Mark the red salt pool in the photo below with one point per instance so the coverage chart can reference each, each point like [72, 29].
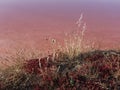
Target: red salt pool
[31, 21]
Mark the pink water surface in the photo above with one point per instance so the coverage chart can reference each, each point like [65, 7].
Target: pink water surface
[32, 21]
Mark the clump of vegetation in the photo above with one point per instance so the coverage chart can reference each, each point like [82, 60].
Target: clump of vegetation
[96, 70]
[74, 67]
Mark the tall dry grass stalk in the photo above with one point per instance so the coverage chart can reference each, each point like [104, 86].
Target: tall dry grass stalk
[74, 42]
